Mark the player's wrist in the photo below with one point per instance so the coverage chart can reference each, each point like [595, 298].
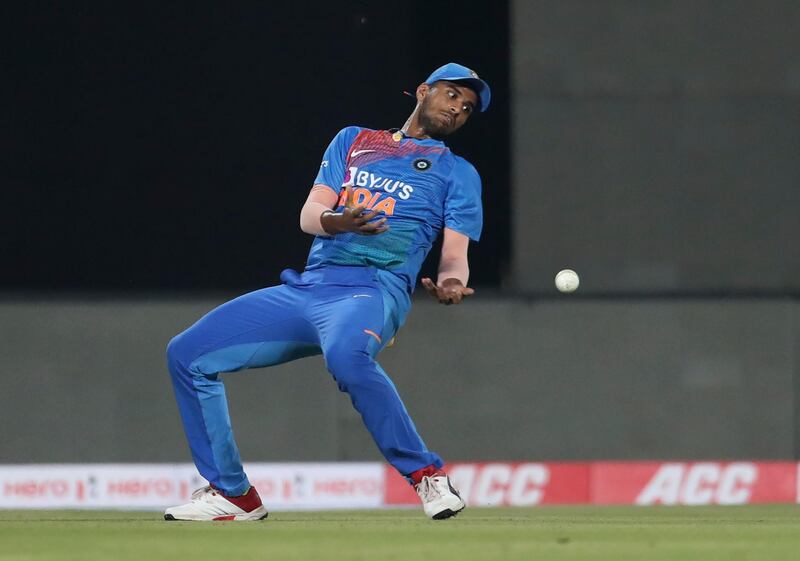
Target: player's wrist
[329, 223]
[450, 281]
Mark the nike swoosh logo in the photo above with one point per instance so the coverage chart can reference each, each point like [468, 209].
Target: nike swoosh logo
[359, 152]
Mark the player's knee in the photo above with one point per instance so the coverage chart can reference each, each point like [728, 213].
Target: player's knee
[348, 366]
[177, 353]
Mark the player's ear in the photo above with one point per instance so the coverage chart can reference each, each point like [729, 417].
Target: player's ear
[422, 91]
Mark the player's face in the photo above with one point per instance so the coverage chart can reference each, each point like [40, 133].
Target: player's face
[446, 107]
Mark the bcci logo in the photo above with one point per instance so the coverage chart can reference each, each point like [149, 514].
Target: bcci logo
[421, 164]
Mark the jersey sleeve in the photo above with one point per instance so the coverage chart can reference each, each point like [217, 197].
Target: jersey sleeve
[334, 161]
[463, 210]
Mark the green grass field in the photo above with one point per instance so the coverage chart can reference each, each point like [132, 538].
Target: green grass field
[771, 533]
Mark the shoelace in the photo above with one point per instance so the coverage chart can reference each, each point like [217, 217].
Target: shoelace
[428, 489]
[202, 493]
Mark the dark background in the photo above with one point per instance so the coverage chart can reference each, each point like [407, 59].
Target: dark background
[160, 148]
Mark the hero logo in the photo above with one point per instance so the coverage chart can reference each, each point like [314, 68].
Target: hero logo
[158, 487]
[38, 488]
[346, 487]
[372, 188]
[700, 484]
[501, 484]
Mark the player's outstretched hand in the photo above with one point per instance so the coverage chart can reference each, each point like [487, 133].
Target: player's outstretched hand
[449, 291]
[354, 219]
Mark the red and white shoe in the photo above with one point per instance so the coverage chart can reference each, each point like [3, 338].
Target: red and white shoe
[209, 504]
[440, 499]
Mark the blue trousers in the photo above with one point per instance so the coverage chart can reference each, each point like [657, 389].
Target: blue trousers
[346, 313]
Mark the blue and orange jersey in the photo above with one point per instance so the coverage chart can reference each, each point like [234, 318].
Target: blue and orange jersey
[419, 185]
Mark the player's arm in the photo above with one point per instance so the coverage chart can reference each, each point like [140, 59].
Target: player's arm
[321, 199]
[451, 284]
[319, 218]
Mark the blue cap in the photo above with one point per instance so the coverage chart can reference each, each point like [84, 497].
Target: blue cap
[458, 73]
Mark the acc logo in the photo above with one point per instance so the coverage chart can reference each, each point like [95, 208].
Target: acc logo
[502, 483]
[421, 164]
[702, 483]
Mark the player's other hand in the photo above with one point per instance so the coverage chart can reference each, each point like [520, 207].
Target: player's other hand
[448, 291]
[354, 219]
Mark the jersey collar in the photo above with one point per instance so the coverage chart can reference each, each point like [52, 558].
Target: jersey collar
[422, 141]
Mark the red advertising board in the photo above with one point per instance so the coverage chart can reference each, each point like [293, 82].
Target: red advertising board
[645, 483]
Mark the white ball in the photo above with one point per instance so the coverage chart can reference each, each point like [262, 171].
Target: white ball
[567, 280]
